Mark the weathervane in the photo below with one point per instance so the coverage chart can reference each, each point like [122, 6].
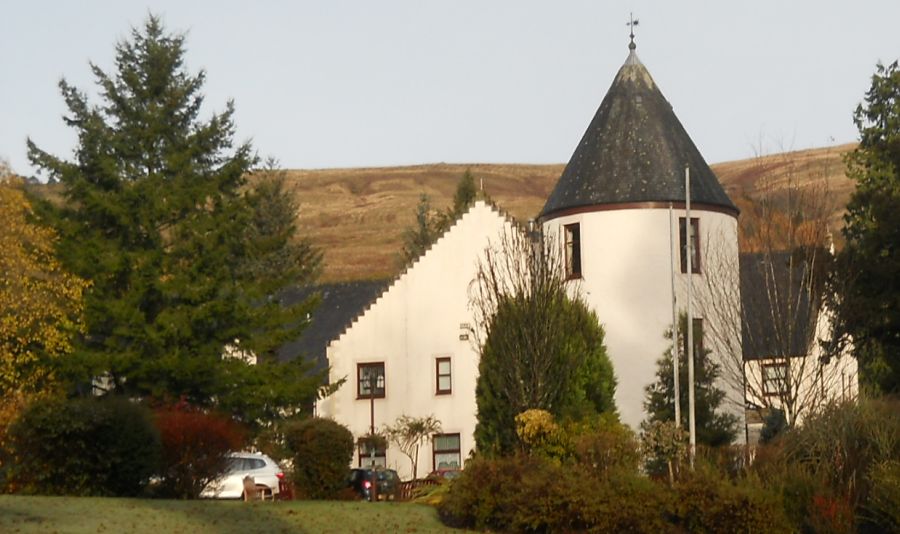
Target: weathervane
[632, 22]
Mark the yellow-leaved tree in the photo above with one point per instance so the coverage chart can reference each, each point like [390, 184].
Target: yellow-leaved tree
[40, 303]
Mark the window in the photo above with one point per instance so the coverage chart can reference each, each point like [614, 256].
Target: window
[573, 250]
[446, 451]
[370, 380]
[442, 372]
[366, 459]
[776, 379]
[695, 244]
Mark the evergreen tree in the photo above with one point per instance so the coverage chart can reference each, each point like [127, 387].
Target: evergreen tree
[184, 263]
[542, 349]
[418, 238]
[430, 225]
[867, 279]
[713, 428]
[465, 195]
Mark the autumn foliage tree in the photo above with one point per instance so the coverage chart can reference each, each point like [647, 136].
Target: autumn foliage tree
[41, 304]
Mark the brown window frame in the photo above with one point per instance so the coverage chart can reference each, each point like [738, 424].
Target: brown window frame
[365, 454]
[695, 244]
[377, 392]
[438, 375]
[572, 244]
[435, 451]
[785, 381]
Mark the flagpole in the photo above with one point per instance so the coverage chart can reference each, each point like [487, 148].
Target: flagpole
[688, 231]
[675, 370]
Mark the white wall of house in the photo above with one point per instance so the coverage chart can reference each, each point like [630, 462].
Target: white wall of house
[626, 265]
[421, 317]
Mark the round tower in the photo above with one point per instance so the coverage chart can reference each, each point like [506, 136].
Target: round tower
[618, 211]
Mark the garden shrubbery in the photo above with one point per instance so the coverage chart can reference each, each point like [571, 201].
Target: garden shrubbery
[322, 450]
[839, 472]
[87, 446]
[195, 447]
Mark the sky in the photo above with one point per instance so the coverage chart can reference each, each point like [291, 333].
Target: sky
[330, 84]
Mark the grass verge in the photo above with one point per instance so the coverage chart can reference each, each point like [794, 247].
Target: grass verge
[28, 514]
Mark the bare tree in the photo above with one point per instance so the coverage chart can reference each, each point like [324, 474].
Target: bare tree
[769, 326]
[408, 433]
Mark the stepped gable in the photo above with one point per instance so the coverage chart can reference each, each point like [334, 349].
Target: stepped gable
[634, 151]
[341, 303]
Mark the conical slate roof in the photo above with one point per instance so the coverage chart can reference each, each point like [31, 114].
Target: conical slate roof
[634, 151]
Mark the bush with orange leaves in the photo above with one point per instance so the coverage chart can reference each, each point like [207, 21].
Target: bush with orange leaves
[195, 447]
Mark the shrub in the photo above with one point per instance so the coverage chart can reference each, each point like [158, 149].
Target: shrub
[609, 447]
[195, 448]
[540, 435]
[534, 494]
[322, 450]
[708, 502]
[826, 469]
[87, 446]
[882, 511]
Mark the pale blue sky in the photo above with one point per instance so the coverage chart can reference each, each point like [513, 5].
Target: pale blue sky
[372, 83]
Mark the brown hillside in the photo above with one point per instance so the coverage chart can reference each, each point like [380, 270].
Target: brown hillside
[358, 215]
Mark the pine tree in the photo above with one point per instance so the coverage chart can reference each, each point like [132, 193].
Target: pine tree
[713, 428]
[157, 216]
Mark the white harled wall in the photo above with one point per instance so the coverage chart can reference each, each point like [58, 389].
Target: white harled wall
[626, 265]
[417, 320]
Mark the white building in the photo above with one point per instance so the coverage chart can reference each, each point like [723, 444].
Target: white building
[413, 343]
[613, 203]
[619, 211]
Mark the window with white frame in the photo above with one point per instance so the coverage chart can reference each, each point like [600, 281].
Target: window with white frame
[776, 378]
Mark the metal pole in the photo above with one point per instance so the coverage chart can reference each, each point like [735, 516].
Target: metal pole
[675, 370]
[374, 488]
[692, 423]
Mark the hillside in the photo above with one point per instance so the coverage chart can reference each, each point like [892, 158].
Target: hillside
[358, 215]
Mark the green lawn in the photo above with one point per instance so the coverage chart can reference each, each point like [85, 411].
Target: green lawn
[97, 515]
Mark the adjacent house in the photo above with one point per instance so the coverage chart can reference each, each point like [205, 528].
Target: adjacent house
[784, 324]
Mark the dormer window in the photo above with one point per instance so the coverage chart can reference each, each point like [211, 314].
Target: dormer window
[573, 250]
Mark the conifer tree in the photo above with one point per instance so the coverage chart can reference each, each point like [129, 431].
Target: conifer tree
[713, 428]
[157, 216]
[866, 292]
[541, 348]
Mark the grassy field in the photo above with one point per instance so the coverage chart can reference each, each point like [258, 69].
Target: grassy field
[21, 514]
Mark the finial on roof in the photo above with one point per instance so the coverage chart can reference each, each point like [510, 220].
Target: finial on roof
[632, 22]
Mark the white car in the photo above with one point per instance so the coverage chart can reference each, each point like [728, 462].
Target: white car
[265, 471]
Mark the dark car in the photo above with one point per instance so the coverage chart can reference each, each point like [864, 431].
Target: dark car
[387, 483]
